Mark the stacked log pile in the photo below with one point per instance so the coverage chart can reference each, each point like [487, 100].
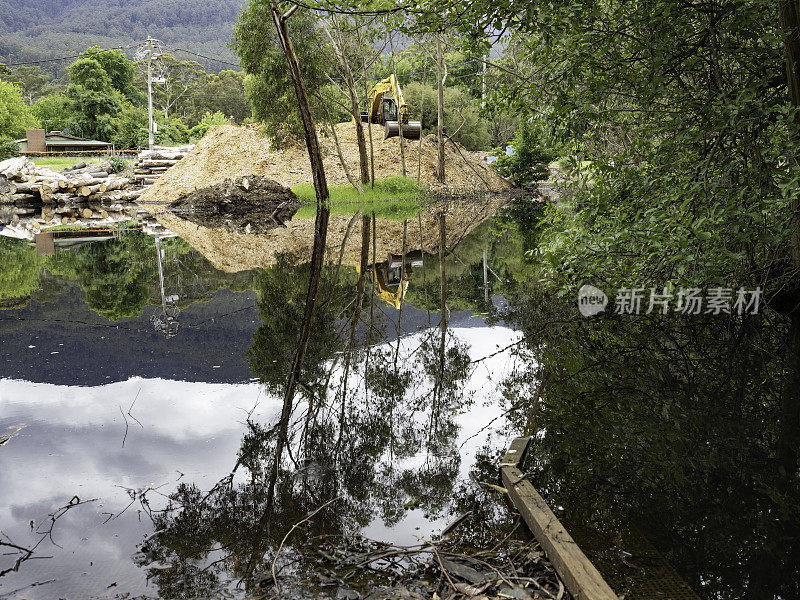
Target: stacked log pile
[88, 191]
[151, 164]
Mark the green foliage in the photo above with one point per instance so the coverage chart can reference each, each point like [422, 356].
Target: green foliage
[131, 128]
[285, 285]
[15, 116]
[225, 93]
[268, 84]
[118, 164]
[19, 276]
[171, 132]
[208, 121]
[461, 114]
[53, 112]
[43, 29]
[90, 74]
[32, 81]
[8, 148]
[119, 69]
[94, 112]
[94, 103]
[116, 275]
[529, 162]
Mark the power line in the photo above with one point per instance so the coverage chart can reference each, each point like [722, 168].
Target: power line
[81, 55]
[224, 62]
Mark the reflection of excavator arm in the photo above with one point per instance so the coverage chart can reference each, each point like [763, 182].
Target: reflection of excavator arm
[386, 106]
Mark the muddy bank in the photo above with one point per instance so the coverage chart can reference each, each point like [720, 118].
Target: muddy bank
[240, 205]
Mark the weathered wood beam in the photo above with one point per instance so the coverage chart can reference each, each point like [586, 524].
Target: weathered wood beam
[579, 575]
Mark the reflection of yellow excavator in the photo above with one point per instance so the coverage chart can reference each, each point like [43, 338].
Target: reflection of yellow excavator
[390, 110]
[386, 277]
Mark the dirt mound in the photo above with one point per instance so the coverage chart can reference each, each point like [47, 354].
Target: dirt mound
[228, 151]
[241, 205]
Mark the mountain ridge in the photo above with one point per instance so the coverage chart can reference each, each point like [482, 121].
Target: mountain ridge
[41, 30]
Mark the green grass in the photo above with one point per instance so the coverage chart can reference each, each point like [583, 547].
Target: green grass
[57, 163]
[394, 198]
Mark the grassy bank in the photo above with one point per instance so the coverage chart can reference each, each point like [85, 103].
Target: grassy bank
[394, 198]
[57, 163]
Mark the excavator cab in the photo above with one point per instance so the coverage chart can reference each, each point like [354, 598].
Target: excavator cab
[389, 112]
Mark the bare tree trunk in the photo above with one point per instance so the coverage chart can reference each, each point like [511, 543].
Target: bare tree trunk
[354, 109]
[399, 116]
[443, 290]
[342, 161]
[421, 117]
[440, 174]
[320, 235]
[350, 349]
[369, 123]
[402, 294]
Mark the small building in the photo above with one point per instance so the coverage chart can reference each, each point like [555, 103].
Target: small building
[55, 141]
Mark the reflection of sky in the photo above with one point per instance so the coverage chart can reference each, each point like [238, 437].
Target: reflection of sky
[70, 444]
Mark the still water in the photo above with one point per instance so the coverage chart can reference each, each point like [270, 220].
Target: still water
[138, 423]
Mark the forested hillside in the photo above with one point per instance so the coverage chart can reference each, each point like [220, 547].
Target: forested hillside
[33, 30]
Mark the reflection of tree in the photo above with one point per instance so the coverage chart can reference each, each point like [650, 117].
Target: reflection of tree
[677, 420]
[115, 274]
[282, 293]
[19, 276]
[357, 459]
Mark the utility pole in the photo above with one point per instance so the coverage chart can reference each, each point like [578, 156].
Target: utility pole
[148, 52]
[150, 139]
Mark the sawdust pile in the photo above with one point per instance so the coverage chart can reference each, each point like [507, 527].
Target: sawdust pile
[227, 152]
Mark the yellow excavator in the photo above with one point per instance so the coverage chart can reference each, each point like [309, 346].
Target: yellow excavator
[390, 280]
[386, 106]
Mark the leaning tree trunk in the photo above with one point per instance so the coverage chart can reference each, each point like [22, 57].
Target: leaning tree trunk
[320, 235]
[440, 110]
[354, 109]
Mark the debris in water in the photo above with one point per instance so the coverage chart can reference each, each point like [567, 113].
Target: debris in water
[251, 204]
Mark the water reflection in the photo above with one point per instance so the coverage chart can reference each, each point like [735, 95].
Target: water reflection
[387, 407]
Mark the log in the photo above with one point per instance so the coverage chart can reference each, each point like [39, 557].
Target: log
[157, 163]
[580, 576]
[116, 183]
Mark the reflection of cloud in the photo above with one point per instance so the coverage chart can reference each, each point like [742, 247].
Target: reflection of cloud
[73, 443]
[72, 446]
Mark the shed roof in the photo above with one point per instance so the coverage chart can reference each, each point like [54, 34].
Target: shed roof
[76, 142]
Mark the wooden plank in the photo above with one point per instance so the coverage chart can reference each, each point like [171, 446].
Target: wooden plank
[515, 453]
[580, 576]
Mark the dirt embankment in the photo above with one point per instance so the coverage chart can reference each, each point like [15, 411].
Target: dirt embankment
[227, 152]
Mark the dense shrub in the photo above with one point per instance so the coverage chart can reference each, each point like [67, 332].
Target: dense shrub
[8, 148]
